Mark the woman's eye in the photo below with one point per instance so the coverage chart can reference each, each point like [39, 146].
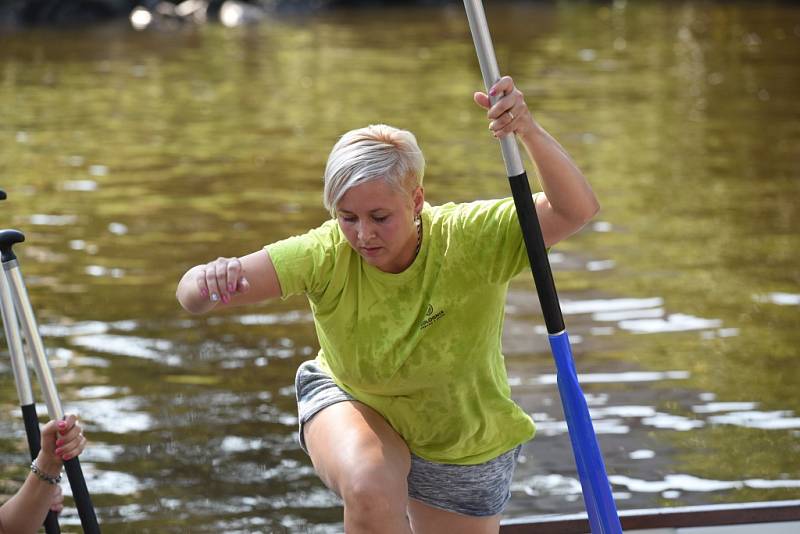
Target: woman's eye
[348, 219]
[380, 219]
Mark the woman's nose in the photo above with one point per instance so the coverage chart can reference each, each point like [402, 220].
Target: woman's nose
[364, 231]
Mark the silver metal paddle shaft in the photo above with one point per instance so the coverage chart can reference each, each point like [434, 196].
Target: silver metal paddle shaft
[11, 326]
[34, 340]
[491, 73]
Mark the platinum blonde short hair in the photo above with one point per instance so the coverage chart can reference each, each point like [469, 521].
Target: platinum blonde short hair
[375, 152]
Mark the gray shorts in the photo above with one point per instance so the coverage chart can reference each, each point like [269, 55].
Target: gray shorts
[476, 490]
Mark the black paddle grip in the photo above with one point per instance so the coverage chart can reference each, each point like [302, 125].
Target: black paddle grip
[537, 253]
[80, 493]
[9, 238]
[31, 421]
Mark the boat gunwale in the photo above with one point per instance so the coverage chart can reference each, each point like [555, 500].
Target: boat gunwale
[678, 517]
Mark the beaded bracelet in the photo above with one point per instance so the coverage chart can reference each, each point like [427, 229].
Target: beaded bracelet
[44, 476]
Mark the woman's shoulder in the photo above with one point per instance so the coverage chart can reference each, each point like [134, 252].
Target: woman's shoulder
[466, 213]
[328, 230]
[327, 233]
[323, 241]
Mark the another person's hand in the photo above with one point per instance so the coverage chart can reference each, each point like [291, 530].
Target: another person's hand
[218, 280]
[25, 511]
[61, 441]
[509, 114]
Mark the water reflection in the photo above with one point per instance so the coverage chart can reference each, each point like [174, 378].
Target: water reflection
[675, 322]
[682, 483]
[782, 299]
[130, 156]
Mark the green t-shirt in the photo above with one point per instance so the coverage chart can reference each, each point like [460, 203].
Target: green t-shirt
[422, 347]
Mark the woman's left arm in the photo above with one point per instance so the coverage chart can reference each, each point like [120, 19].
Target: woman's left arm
[568, 202]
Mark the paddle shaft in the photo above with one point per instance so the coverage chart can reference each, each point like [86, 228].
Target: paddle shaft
[24, 391]
[596, 489]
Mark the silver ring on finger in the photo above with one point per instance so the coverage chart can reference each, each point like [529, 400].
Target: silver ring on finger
[510, 114]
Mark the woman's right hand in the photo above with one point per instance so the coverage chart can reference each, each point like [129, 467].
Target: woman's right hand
[220, 279]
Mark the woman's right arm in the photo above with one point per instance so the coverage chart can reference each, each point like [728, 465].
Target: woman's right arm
[227, 282]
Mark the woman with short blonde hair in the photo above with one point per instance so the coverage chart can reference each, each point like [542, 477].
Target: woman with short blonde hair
[406, 411]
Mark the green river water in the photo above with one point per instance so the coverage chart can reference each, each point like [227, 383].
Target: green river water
[130, 156]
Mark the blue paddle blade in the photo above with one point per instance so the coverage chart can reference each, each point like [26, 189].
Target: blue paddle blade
[603, 517]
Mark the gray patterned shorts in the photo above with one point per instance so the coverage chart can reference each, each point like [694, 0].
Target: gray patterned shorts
[480, 490]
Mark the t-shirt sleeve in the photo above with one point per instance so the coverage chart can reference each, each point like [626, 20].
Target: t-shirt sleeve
[304, 263]
[492, 228]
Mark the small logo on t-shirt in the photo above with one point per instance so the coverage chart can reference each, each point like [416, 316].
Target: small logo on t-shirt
[431, 317]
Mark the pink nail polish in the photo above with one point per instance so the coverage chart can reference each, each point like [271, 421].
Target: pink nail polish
[62, 424]
[58, 452]
[59, 442]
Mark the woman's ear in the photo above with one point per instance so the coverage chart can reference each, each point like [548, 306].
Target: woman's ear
[418, 197]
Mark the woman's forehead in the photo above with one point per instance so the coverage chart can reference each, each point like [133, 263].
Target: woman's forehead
[371, 196]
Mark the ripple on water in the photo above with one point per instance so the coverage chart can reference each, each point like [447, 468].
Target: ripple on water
[715, 407]
[95, 392]
[676, 322]
[235, 444]
[617, 419]
[781, 299]
[575, 307]
[672, 422]
[159, 350]
[638, 315]
[285, 470]
[79, 185]
[744, 414]
[623, 411]
[603, 378]
[44, 219]
[775, 420]
[83, 328]
[102, 452]
[108, 482]
[600, 265]
[544, 485]
[641, 454]
[292, 317]
[118, 416]
[683, 482]
[627, 315]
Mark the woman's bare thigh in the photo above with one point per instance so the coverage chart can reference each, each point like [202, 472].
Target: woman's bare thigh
[347, 438]
[430, 520]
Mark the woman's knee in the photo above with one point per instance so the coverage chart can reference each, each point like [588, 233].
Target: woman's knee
[374, 494]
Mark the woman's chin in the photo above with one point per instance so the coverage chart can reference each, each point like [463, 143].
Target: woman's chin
[379, 261]
[375, 261]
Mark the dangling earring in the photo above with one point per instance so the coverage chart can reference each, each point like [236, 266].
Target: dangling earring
[418, 224]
